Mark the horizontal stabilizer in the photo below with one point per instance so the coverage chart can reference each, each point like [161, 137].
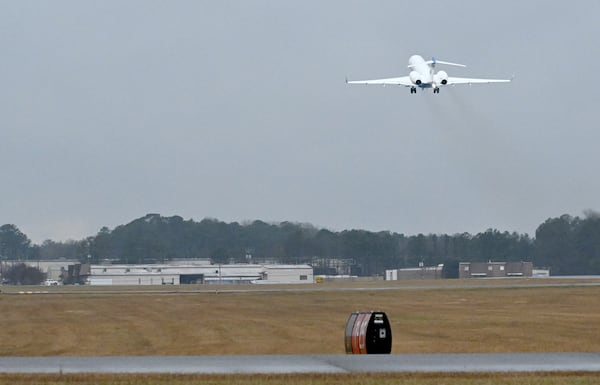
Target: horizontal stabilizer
[435, 61]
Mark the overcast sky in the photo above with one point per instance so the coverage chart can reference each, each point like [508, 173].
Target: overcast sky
[238, 110]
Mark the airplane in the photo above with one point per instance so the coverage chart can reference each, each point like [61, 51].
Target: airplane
[423, 75]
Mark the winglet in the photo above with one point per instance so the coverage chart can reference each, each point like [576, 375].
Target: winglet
[346, 79]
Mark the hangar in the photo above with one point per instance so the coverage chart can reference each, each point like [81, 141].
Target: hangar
[182, 273]
[468, 270]
[494, 269]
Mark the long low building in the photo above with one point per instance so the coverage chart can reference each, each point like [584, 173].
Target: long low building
[467, 270]
[177, 274]
[424, 272]
[494, 269]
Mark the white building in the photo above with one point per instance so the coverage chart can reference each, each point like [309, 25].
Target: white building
[286, 274]
[391, 275]
[181, 273]
[423, 272]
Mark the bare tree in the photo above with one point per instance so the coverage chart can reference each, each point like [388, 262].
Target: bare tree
[22, 274]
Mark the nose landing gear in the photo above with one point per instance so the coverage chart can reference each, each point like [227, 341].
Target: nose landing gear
[413, 90]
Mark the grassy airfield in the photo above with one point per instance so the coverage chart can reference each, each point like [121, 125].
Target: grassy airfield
[307, 379]
[448, 320]
[424, 320]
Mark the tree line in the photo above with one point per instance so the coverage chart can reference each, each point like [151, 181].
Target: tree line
[566, 245]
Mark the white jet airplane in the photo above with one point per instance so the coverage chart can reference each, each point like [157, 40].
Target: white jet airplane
[423, 75]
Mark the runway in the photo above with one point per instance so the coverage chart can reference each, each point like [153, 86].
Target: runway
[79, 290]
[280, 364]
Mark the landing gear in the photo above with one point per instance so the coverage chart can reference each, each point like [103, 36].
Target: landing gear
[413, 90]
[436, 90]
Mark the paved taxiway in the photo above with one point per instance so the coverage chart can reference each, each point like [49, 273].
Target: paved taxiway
[296, 289]
[271, 364]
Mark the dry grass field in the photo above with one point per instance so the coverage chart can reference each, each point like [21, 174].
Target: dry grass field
[314, 379]
[530, 319]
[167, 322]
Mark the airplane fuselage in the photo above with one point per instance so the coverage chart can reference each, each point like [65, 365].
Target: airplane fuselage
[417, 63]
[422, 74]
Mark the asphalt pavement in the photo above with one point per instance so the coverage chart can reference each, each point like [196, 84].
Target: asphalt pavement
[278, 364]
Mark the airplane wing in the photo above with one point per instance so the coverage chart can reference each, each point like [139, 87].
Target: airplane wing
[401, 81]
[452, 81]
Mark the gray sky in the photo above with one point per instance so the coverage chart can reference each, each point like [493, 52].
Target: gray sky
[238, 110]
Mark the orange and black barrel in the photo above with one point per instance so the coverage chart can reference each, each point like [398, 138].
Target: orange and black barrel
[368, 332]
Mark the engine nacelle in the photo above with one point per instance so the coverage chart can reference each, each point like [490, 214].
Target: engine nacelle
[415, 77]
[440, 78]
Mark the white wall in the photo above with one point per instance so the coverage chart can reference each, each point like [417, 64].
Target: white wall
[157, 274]
[288, 274]
[134, 279]
[391, 275]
